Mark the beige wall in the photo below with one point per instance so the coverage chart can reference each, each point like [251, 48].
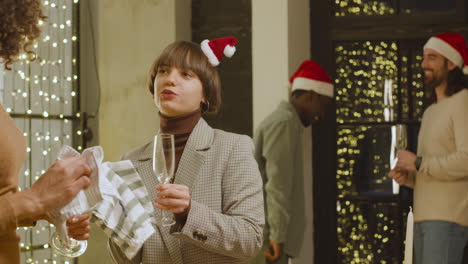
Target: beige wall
[128, 35]
[270, 62]
[280, 42]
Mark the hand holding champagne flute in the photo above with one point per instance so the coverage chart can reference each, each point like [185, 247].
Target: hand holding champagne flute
[401, 137]
[74, 245]
[399, 142]
[163, 169]
[405, 161]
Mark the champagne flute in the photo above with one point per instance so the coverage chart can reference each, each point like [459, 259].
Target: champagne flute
[401, 137]
[163, 169]
[399, 142]
[67, 246]
[61, 243]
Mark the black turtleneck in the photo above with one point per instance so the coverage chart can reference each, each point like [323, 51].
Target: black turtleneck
[181, 127]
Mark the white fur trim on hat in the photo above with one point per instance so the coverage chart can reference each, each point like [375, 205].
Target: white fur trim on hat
[445, 50]
[229, 51]
[319, 87]
[209, 53]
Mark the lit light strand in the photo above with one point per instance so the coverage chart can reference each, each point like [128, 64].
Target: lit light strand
[367, 231]
[46, 87]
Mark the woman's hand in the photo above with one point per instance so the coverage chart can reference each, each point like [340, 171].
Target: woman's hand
[406, 160]
[78, 226]
[174, 198]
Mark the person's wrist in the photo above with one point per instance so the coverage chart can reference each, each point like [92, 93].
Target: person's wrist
[417, 162]
[36, 202]
[26, 206]
[182, 217]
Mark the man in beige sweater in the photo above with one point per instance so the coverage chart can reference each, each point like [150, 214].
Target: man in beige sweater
[439, 172]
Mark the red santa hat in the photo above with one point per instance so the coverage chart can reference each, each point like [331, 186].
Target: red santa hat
[310, 76]
[452, 46]
[215, 48]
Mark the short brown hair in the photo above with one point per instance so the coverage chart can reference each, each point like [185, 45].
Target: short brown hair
[189, 56]
[19, 28]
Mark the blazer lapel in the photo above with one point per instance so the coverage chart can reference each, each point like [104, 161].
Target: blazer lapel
[190, 163]
[193, 156]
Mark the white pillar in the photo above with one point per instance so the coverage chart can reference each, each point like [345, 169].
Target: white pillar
[270, 62]
[280, 42]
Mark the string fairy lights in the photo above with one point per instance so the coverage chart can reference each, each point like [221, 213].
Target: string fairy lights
[364, 7]
[377, 83]
[41, 96]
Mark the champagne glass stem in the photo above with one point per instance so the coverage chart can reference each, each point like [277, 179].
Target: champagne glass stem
[68, 247]
[163, 168]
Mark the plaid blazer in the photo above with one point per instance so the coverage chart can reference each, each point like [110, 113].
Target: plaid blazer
[226, 219]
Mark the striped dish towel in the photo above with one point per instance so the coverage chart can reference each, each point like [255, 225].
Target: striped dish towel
[116, 196]
[86, 200]
[126, 212]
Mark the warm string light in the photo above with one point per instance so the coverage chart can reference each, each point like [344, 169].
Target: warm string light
[362, 68]
[363, 7]
[365, 72]
[41, 95]
[417, 87]
[361, 240]
[413, 88]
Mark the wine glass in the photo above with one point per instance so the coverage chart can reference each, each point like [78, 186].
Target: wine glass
[399, 142]
[67, 246]
[163, 169]
[401, 137]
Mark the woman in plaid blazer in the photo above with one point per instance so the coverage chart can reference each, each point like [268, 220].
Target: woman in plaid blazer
[217, 195]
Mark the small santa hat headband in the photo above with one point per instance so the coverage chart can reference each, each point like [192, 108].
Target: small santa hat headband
[215, 48]
[452, 46]
[311, 77]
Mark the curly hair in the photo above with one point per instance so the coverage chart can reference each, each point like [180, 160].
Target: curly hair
[19, 27]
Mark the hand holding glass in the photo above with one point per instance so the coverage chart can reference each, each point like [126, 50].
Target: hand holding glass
[163, 169]
[68, 247]
[399, 142]
[401, 137]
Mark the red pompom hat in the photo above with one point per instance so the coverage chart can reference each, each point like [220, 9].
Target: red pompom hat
[311, 76]
[452, 46]
[215, 48]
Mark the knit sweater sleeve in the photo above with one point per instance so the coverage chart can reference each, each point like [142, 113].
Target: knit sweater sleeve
[452, 166]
